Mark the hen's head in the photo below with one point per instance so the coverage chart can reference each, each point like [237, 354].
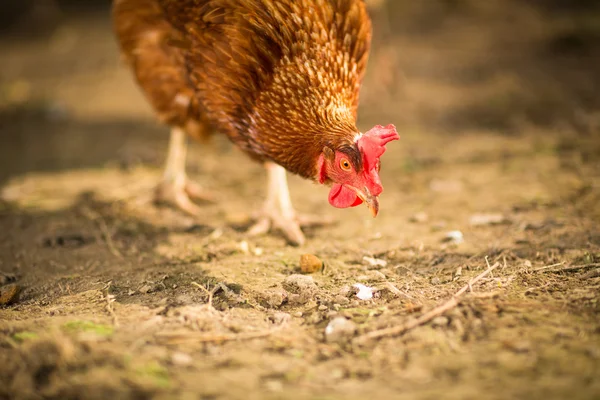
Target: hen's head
[354, 170]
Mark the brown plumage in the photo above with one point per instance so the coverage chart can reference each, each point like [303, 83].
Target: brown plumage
[280, 78]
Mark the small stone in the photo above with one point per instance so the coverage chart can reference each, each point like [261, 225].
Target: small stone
[145, 289]
[435, 280]
[341, 300]
[345, 291]
[244, 247]
[375, 262]
[339, 329]
[273, 298]
[455, 237]
[9, 294]
[310, 264]
[364, 292]
[297, 314]
[181, 359]
[297, 300]
[323, 307]
[300, 284]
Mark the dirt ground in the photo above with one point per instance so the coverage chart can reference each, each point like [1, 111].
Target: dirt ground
[498, 114]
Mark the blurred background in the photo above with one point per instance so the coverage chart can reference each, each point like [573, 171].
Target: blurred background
[447, 67]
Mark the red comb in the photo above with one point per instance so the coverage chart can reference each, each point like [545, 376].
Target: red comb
[372, 144]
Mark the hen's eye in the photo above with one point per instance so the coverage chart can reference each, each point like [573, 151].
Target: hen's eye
[345, 164]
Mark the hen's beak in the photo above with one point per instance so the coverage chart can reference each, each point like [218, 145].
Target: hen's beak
[371, 201]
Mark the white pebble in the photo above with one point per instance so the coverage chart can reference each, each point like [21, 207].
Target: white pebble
[454, 237]
[375, 262]
[364, 292]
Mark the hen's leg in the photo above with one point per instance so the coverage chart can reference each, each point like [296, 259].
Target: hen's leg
[175, 189]
[278, 211]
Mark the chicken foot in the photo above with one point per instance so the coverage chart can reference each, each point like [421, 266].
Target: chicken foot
[278, 211]
[175, 188]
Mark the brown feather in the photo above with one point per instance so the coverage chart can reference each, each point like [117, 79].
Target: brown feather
[280, 77]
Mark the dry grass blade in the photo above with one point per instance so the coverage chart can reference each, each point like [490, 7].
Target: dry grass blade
[428, 316]
[547, 267]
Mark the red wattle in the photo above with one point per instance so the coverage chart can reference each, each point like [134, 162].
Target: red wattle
[342, 197]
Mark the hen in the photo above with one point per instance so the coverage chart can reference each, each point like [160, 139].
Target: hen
[280, 78]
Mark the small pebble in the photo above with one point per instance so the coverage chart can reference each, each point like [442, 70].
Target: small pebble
[300, 284]
[297, 314]
[145, 289]
[345, 291]
[339, 329]
[455, 237]
[273, 298]
[181, 359]
[244, 247]
[364, 292]
[375, 262]
[310, 264]
[9, 294]
[341, 300]
[323, 307]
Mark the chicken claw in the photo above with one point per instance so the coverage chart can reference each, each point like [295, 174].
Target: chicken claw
[175, 188]
[278, 211]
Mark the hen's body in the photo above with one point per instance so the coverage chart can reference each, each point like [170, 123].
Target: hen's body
[279, 77]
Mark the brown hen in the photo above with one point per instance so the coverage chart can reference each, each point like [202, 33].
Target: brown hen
[280, 78]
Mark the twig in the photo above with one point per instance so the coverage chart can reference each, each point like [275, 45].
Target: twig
[546, 267]
[428, 316]
[210, 293]
[192, 337]
[103, 230]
